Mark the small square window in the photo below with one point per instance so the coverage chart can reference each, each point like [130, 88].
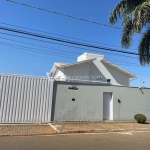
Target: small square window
[109, 80]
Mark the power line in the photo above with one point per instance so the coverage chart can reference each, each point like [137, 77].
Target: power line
[33, 45]
[16, 50]
[39, 46]
[66, 51]
[55, 54]
[62, 35]
[52, 53]
[44, 63]
[24, 59]
[35, 50]
[67, 45]
[45, 47]
[67, 41]
[65, 15]
[124, 64]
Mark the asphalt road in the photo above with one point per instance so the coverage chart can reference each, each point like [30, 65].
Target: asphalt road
[111, 141]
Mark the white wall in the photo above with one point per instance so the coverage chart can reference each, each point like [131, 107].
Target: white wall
[87, 56]
[78, 70]
[98, 68]
[118, 77]
[89, 106]
[95, 68]
[60, 75]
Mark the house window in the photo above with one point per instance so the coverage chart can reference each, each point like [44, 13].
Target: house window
[108, 80]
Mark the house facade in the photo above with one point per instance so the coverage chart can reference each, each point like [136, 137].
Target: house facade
[91, 68]
[91, 89]
[30, 99]
[94, 102]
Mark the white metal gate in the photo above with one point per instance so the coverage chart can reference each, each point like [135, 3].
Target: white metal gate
[25, 99]
[107, 106]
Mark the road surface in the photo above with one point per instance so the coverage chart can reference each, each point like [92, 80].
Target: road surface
[111, 141]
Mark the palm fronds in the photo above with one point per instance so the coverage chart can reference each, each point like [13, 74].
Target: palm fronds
[144, 48]
[136, 16]
[127, 34]
[116, 12]
[141, 16]
[125, 7]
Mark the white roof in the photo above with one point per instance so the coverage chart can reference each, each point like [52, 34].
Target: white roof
[131, 75]
[80, 62]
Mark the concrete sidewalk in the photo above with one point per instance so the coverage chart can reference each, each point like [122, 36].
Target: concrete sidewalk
[26, 129]
[70, 127]
[99, 127]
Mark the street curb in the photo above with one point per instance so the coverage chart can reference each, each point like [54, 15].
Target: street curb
[29, 135]
[104, 131]
[83, 131]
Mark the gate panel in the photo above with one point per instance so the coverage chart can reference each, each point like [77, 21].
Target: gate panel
[25, 99]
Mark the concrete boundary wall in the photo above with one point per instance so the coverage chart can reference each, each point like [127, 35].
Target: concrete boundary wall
[85, 102]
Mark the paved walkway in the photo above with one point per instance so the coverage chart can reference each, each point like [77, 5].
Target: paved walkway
[72, 127]
[100, 127]
[26, 130]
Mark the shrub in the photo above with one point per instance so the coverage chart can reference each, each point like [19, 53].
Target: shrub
[140, 118]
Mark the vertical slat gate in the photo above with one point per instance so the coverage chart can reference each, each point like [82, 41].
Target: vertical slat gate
[25, 99]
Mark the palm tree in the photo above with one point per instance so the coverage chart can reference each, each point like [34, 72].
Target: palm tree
[136, 16]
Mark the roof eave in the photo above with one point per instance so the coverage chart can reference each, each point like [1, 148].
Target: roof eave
[131, 75]
[77, 63]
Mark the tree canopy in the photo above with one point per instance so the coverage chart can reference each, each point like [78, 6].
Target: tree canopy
[135, 15]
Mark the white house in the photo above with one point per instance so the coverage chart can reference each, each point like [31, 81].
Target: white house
[91, 68]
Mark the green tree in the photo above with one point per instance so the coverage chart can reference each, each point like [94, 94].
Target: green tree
[135, 15]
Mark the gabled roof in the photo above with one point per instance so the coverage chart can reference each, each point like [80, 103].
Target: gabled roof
[131, 75]
[63, 65]
[60, 64]
[77, 63]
